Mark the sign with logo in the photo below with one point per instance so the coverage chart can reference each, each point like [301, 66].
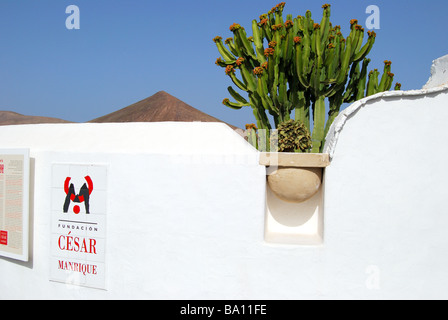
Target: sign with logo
[14, 205]
[78, 224]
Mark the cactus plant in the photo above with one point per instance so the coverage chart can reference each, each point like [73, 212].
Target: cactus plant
[304, 65]
[251, 133]
[292, 136]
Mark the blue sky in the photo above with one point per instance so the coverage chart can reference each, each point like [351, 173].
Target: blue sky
[127, 50]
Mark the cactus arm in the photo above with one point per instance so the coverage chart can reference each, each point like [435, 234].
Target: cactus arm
[390, 79]
[306, 54]
[237, 96]
[330, 63]
[309, 22]
[282, 90]
[319, 124]
[345, 62]
[300, 61]
[232, 105]
[238, 82]
[360, 32]
[271, 73]
[245, 44]
[266, 29]
[335, 106]
[383, 83]
[233, 49]
[325, 24]
[226, 54]
[259, 112]
[288, 44]
[365, 50]
[263, 93]
[362, 80]
[248, 78]
[372, 84]
[302, 109]
[224, 63]
[252, 137]
[258, 42]
[350, 91]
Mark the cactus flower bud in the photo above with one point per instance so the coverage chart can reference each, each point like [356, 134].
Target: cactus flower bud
[258, 71]
[269, 52]
[230, 69]
[276, 27]
[263, 22]
[288, 24]
[251, 126]
[235, 27]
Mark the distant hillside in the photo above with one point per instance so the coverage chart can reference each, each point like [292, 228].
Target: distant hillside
[12, 118]
[157, 108]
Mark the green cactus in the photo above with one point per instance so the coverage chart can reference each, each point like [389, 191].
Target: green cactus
[304, 65]
[292, 136]
[251, 133]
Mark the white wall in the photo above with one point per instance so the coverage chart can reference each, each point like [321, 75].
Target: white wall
[386, 196]
[178, 210]
[187, 207]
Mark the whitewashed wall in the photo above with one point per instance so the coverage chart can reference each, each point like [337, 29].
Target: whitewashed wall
[386, 197]
[186, 209]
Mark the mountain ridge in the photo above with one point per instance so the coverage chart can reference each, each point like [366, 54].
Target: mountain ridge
[15, 118]
[159, 107]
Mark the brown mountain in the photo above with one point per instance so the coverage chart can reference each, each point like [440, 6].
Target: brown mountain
[158, 107]
[12, 118]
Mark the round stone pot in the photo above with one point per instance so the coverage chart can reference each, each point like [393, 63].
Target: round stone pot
[295, 185]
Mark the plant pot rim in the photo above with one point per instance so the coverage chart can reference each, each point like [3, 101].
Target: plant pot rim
[295, 160]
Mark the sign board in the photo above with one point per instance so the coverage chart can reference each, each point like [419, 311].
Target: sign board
[78, 224]
[14, 203]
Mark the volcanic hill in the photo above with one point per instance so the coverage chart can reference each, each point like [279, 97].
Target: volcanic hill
[157, 108]
[13, 118]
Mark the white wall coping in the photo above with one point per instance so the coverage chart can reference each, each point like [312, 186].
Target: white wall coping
[186, 138]
[438, 83]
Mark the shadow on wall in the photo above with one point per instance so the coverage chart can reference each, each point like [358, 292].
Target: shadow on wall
[294, 223]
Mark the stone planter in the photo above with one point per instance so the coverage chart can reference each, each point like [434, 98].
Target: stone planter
[294, 177]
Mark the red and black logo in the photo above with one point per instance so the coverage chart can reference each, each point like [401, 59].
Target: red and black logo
[82, 196]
